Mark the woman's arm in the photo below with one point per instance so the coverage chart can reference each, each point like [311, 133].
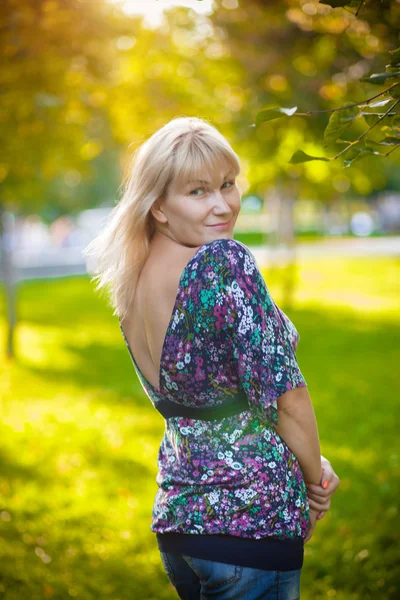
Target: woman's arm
[297, 426]
[319, 496]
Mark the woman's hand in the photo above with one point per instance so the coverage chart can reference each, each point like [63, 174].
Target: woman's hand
[319, 496]
[311, 524]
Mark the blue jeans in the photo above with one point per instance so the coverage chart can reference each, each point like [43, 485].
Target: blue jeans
[200, 579]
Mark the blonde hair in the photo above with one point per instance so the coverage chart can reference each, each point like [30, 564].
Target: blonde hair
[183, 149]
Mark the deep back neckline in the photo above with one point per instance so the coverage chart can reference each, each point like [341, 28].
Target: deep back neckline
[159, 391]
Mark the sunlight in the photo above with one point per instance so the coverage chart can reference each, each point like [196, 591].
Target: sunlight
[153, 10]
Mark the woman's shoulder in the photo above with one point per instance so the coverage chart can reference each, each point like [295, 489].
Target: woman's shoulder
[225, 252]
[224, 244]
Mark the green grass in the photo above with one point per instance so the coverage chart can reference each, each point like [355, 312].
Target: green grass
[79, 439]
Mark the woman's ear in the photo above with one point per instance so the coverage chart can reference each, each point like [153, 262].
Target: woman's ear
[157, 211]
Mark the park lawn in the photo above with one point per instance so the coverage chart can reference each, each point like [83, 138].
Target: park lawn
[79, 439]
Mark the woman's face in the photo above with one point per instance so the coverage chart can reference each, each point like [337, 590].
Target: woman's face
[189, 213]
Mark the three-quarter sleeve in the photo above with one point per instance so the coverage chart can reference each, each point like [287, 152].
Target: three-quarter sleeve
[263, 338]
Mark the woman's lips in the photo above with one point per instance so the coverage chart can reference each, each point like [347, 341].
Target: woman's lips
[221, 225]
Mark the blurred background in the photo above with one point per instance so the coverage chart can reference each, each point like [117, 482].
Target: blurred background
[83, 83]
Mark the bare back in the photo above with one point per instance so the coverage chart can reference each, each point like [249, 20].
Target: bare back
[154, 300]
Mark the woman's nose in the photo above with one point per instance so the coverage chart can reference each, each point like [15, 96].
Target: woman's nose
[220, 202]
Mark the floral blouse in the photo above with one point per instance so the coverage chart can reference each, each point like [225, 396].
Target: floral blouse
[234, 475]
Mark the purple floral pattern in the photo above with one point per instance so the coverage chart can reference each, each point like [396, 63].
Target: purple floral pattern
[233, 476]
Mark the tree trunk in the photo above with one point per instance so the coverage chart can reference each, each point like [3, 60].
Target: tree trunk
[8, 273]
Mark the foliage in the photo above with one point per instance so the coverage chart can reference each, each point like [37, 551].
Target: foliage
[84, 84]
[56, 70]
[342, 118]
[305, 57]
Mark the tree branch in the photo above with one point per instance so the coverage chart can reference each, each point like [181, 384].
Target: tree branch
[314, 112]
[367, 130]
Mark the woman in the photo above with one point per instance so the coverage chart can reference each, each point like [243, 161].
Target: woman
[216, 357]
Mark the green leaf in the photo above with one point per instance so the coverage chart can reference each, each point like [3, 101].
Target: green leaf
[378, 114]
[378, 78]
[339, 121]
[267, 114]
[379, 103]
[359, 153]
[395, 58]
[335, 3]
[390, 140]
[371, 118]
[299, 157]
[395, 92]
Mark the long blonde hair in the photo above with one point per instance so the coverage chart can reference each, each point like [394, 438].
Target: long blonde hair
[182, 149]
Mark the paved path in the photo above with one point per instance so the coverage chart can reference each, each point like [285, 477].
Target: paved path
[332, 248]
[60, 262]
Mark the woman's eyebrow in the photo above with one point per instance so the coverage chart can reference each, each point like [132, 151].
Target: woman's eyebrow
[204, 181]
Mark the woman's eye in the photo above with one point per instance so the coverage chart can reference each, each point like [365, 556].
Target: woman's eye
[231, 182]
[196, 191]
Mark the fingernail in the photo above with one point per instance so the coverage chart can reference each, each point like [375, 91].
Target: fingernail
[325, 484]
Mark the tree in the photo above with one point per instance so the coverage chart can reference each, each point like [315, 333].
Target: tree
[386, 120]
[56, 71]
